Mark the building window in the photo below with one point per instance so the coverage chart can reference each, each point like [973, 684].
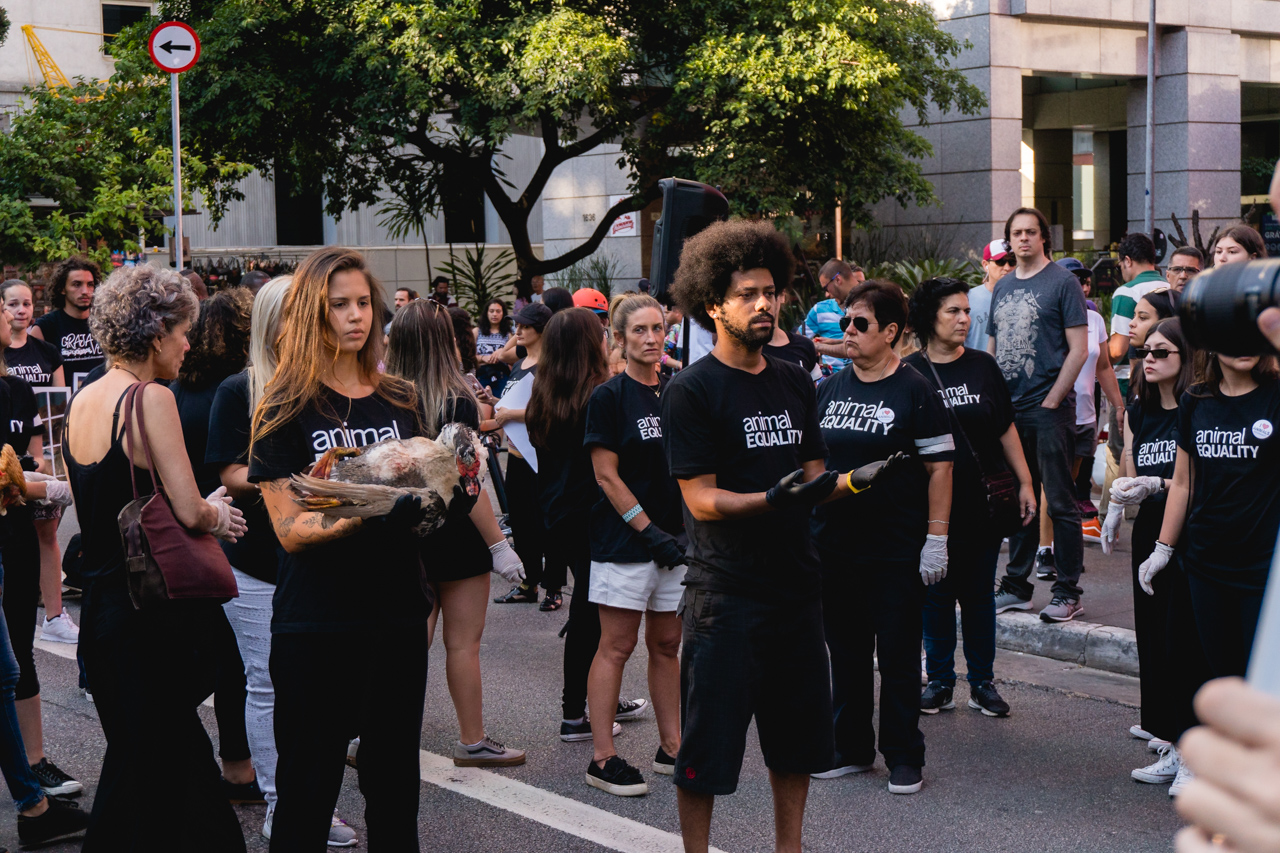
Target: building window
[117, 16]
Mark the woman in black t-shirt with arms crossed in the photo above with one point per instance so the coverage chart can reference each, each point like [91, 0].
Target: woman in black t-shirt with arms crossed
[975, 393]
[331, 598]
[637, 565]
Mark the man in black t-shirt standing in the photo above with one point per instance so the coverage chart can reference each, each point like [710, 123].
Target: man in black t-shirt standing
[67, 327]
[742, 440]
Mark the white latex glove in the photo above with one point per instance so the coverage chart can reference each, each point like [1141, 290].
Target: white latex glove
[1152, 566]
[506, 562]
[56, 492]
[1131, 491]
[231, 525]
[1111, 527]
[933, 559]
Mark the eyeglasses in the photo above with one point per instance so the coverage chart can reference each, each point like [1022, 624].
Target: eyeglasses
[1007, 261]
[859, 323]
[1182, 270]
[1143, 352]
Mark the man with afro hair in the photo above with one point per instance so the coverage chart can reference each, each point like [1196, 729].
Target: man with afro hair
[742, 439]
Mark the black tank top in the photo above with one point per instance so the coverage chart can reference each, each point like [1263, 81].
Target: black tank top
[101, 490]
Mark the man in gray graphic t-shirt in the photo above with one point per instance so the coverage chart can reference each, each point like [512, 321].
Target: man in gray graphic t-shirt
[1037, 332]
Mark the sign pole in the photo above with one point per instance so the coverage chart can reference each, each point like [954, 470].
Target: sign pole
[177, 173]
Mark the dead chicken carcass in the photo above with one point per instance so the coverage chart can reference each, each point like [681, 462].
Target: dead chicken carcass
[365, 482]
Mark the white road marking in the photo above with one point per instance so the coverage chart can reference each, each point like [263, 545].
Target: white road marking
[560, 813]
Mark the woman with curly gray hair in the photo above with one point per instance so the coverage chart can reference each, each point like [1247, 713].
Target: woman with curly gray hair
[149, 668]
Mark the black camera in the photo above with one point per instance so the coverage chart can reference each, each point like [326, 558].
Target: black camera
[1220, 307]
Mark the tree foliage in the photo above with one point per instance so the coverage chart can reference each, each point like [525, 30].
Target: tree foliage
[4, 25]
[787, 105]
[95, 155]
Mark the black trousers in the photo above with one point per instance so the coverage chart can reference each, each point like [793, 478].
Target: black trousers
[150, 671]
[380, 699]
[527, 528]
[1227, 618]
[874, 609]
[22, 594]
[229, 693]
[568, 544]
[1189, 669]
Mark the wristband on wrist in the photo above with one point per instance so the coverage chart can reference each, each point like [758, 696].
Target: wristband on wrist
[848, 481]
[632, 513]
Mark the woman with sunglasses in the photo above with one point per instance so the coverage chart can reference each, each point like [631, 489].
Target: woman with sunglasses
[879, 553]
[1223, 507]
[997, 259]
[975, 392]
[1147, 464]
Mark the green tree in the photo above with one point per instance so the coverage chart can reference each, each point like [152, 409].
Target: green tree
[4, 25]
[94, 153]
[787, 105]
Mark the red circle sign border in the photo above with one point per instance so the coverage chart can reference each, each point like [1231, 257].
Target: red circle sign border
[151, 47]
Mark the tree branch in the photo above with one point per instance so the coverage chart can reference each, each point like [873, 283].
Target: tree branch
[630, 204]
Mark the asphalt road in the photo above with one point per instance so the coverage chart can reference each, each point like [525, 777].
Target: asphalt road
[1054, 776]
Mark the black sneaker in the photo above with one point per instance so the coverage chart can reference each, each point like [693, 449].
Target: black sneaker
[61, 820]
[984, 697]
[1046, 570]
[519, 594]
[663, 763]
[581, 730]
[552, 601]
[631, 709]
[936, 697]
[53, 781]
[617, 777]
[905, 779]
[243, 794]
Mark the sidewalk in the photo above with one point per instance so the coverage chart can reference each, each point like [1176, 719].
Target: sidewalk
[1106, 640]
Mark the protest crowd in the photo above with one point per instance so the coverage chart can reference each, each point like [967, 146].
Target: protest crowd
[787, 520]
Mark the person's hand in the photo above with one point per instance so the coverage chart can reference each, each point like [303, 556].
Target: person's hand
[407, 513]
[933, 559]
[1153, 566]
[230, 525]
[1235, 756]
[862, 478]
[1269, 320]
[1111, 527]
[1131, 491]
[791, 491]
[486, 397]
[506, 562]
[1026, 503]
[462, 502]
[664, 549]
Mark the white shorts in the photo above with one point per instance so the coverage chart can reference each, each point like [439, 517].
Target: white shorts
[636, 586]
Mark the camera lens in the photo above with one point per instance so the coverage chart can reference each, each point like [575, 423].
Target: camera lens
[1220, 307]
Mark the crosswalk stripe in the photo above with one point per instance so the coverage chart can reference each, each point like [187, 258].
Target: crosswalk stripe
[561, 813]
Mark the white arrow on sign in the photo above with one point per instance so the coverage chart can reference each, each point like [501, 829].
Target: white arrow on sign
[174, 47]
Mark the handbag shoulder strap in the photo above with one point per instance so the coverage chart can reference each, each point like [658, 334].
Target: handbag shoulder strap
[133, 409]
[950, 413]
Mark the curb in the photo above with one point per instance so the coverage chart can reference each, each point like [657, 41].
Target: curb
[1085, 643]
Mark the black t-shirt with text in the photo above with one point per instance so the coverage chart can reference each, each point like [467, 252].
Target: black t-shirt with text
[1155, 443]
[257, 553]
[1235, 500]
[798, 350]
[34, 362]
[22, 422]
[626, 417]
[976, 394]
[750, 430]
[863, 422]
[78, 349]
[346, 584]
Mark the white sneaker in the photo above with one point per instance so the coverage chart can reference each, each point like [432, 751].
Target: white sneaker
[1156, 744]
[60, 629]
[847, 770]
[340, 835]
[1183, 778]
[1140, 733]
[1165, 769]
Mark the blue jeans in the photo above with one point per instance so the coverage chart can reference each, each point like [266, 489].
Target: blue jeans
[970, 580]
[23, 784]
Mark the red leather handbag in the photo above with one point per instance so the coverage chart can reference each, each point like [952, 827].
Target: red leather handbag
[165, 561]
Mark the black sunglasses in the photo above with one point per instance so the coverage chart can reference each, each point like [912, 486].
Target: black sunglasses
[1143, 352]
[859, 323]
[1008, 260]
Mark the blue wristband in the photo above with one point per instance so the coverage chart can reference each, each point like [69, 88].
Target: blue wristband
[632, 513]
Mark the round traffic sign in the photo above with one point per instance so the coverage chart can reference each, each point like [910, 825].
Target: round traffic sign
[174, 47]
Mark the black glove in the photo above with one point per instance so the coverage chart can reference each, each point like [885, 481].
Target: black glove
[406, 514]
[663, 547]
[462, 503]
[862, 477]
[791, 492]
[28, 463]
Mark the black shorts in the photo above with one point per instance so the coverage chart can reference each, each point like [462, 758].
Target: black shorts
[743, 657]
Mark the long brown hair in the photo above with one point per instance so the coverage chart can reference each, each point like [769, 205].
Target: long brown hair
[422, 349]
[1209, 378]
[306, 349]
[572, 364]
[1146, 393]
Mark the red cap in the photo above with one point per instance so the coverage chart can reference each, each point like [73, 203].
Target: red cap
[589, 297]
[995, 250]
